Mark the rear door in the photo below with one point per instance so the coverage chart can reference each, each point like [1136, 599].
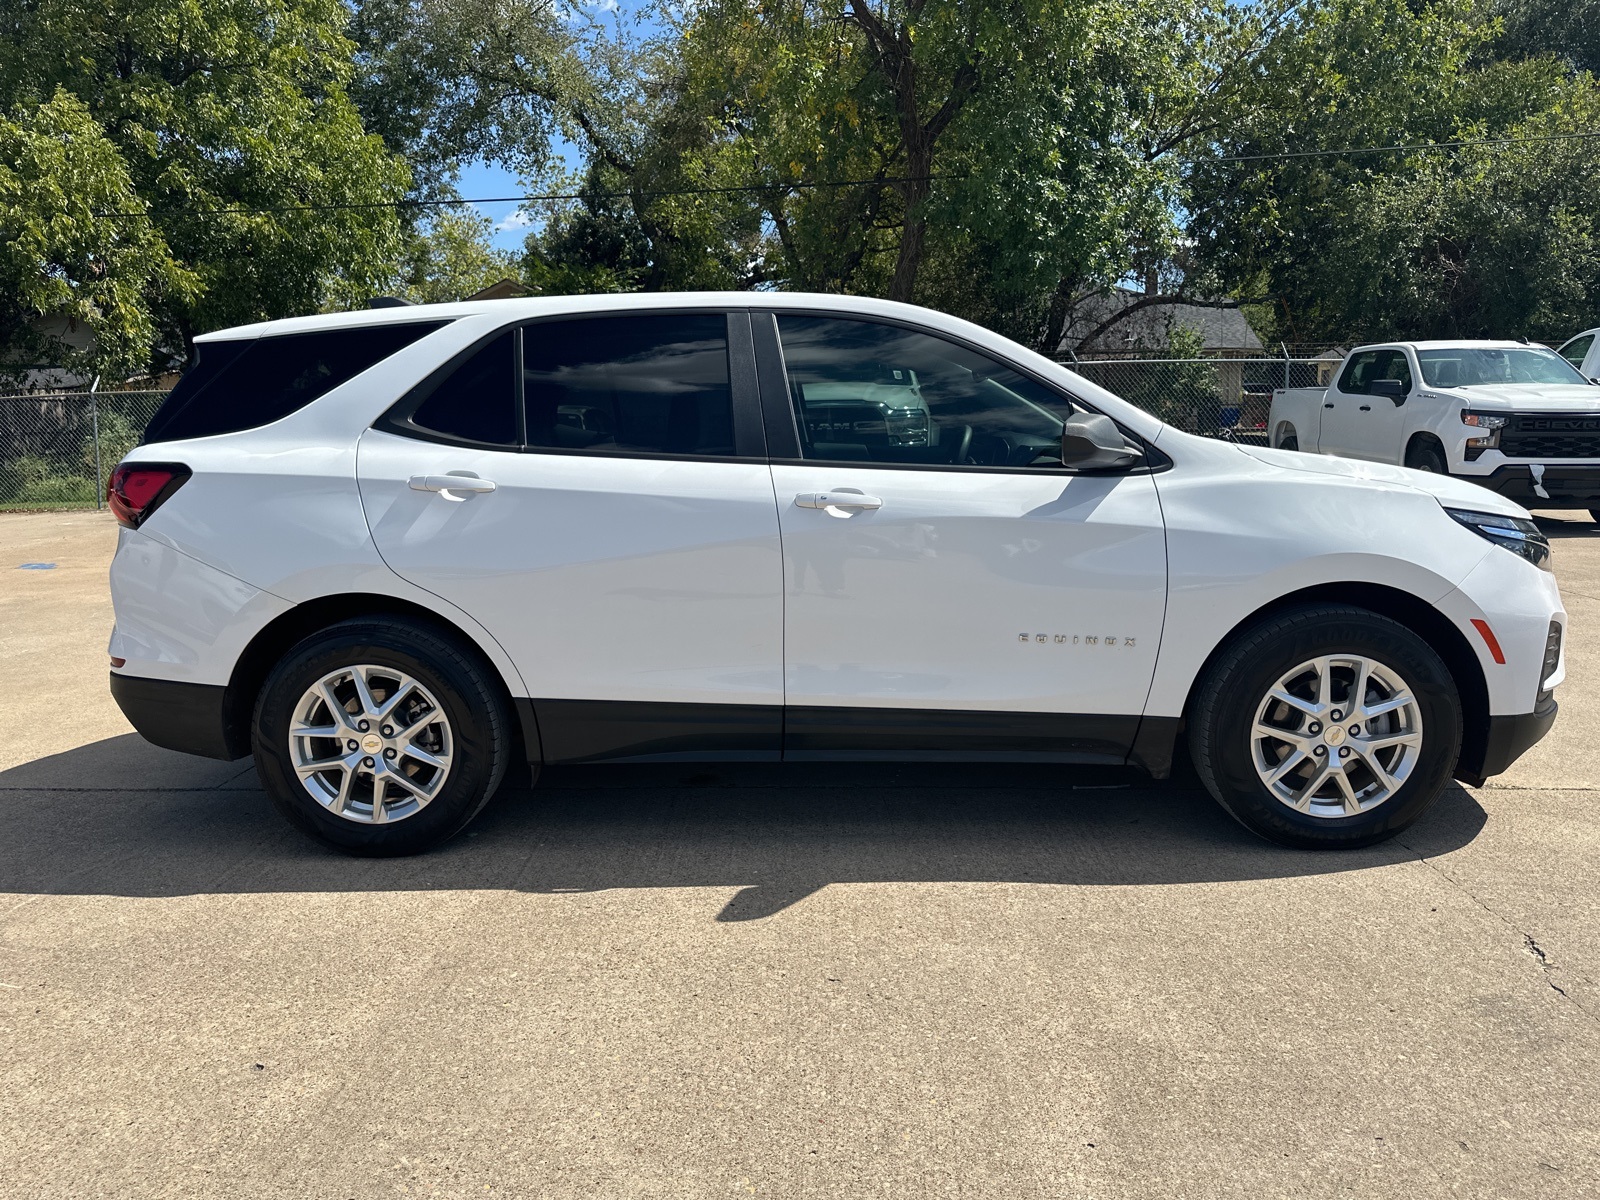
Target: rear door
[950, 588]
[627, 556]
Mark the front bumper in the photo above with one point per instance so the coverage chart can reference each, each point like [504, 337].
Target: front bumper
[1569, 486]
[190, 717]
[1510, 737]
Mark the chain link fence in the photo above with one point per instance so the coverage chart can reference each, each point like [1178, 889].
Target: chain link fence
[1214, 397]
[57, 448]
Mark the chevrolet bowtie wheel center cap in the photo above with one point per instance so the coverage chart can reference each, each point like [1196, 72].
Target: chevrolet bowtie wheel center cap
[1333, 737]
[372, 743]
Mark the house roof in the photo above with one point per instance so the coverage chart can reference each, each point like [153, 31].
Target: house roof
[1151, 328]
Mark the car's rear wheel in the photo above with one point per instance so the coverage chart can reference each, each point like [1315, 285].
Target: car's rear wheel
[1326, 727]
[381, 736]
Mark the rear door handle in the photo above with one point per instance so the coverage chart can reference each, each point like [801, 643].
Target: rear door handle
[451, 487]
[1366, 408]
[841, 498]
[1329, 404]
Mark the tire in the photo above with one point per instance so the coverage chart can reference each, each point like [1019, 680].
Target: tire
[1425, 456]
[1235, 763]
[457, 717]
[1289, 443]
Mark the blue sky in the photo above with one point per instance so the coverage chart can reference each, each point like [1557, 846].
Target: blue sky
[491, 179]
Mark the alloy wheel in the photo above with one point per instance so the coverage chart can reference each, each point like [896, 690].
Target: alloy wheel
[370, 744]
[1336, 736]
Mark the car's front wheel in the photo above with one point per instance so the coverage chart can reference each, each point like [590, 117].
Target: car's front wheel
[1326, 727]
[381, 736]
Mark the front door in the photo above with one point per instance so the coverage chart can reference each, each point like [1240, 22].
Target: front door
[627, 558]
[1356, 422]
[949, 588]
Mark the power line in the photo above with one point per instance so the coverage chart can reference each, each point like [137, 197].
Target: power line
[456, 201]
[1509, 141]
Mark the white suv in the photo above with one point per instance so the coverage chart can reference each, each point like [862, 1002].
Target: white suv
[392, 553]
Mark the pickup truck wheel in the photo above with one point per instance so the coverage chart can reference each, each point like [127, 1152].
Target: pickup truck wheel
[1326, 727]
[1425, 456]
[381, 736]
[1289, 443]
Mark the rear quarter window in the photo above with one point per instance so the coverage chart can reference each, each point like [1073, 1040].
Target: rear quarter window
[237, 385]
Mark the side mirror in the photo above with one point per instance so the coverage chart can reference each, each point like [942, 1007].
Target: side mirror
[1092, 442]
[1391, 388]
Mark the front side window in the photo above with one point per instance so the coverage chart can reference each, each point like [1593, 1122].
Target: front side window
[242, 385]
[1370, 365]
[1470, 366]
[869, 392]
[629, 384]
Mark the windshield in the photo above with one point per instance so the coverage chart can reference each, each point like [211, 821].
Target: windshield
[1468, 367]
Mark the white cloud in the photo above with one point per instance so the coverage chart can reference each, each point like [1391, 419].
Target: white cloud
[517, 220]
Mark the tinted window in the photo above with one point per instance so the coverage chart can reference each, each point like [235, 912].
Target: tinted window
[242, 385]
[476, 402]
[864, 391]
[1577, 350]
[629, 384]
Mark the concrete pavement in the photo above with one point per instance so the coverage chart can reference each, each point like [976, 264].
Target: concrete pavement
[826, 981]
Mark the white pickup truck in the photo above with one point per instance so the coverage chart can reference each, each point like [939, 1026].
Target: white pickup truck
[1517, 418]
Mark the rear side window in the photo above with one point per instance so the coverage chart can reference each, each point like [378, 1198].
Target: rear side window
[247, 384]
[1577, 350]
[477, 401]
[639, 384]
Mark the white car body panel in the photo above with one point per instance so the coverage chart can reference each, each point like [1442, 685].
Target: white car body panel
[1003, 592]
[604, 578]
[1239, 521]
[179, 618]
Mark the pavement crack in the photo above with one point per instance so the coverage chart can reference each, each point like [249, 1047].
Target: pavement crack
[1547, 965]
[1544, 962]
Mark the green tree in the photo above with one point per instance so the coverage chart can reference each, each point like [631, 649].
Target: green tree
[60, 253]
[245, 153]
[1483, 240]
[452, 257]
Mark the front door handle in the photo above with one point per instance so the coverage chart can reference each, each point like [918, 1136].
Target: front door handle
[1329, 404]
[839, 498]
[451, 487]
[1366, 408]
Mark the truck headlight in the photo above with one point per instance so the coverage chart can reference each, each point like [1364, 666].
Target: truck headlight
[1522, 537]
[1490, 423]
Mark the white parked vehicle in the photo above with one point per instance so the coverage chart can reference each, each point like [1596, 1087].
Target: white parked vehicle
[1515, 418]
[392, 553]
[1583, 352]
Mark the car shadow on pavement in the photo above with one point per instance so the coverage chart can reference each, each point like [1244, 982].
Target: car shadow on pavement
[122, 818]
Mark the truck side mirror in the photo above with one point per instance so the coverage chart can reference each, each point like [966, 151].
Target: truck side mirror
[1391, 388]
[1092, 442]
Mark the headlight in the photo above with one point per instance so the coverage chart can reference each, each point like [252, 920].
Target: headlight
[1490, 423]
[1522, 537]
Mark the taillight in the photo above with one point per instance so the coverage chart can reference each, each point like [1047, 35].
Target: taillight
[136, 490]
